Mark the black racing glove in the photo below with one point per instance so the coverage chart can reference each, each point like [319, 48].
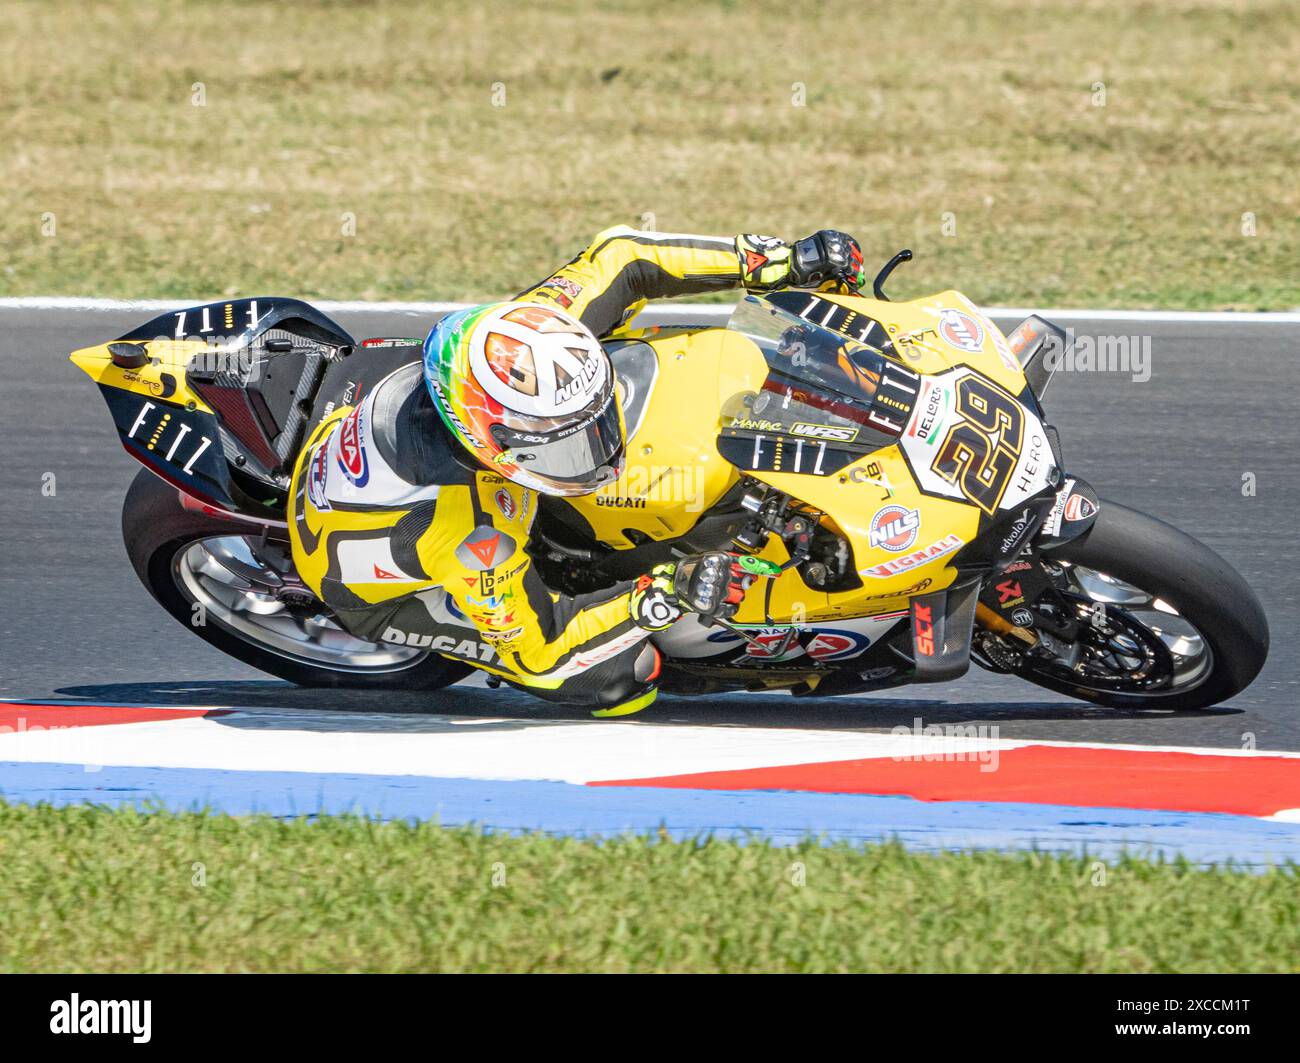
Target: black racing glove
[712, 584]
[827, 256]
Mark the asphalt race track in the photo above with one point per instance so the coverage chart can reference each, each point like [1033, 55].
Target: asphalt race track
[77, 627]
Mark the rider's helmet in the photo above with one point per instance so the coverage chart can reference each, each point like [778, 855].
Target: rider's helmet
[529, 391]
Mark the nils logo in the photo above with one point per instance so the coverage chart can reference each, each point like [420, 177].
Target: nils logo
[895, 528]
[961, 331]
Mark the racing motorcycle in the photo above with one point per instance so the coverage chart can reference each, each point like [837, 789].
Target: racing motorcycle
[886, 468]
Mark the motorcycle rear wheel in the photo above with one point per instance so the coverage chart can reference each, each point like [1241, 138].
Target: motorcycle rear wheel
[242, 586]
[1178, 628]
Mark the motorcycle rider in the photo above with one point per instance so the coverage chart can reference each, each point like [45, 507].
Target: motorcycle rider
[410, 511]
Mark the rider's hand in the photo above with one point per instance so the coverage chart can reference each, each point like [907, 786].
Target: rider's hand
[827, 257]
[712, 584]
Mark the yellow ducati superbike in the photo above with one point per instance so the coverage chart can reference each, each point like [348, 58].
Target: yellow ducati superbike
[888, 463]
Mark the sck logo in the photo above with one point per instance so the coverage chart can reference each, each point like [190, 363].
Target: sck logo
[923, 629]
[895, 528]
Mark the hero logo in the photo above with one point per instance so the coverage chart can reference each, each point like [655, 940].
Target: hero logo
[352, 449]
[894, 528]
[962, 331]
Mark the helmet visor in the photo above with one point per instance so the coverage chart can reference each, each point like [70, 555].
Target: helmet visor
[581, 457]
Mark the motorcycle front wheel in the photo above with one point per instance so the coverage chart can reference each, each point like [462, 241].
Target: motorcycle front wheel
[1164, 622]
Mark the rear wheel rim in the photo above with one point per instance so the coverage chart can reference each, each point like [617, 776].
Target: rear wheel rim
[247, 587]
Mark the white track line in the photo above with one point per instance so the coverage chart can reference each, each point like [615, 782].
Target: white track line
[701, 312]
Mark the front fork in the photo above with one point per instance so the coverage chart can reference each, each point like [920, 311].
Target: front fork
[999, 598]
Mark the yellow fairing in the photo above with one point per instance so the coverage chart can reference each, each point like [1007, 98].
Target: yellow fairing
[162, 377]
[674, 473]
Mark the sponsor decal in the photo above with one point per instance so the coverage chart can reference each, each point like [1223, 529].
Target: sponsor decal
[835, 645]
[505, 503]
[768, 643]
[923, 630]
[824, 431]
[897, 565]
[1024, 335]
[1052, 525]
[318, 479]
[908, 342]
[1077, 507]
[962, 331]
[757, 426]
[1022, 618]
[352, 449]
[1009, 593]
[492, 601]
[1019, 529]
[584, 376]
[444, 407]
[931, 410]
[619, 502]
[390, 341]
[466, 649]
[895, 528]
[872, 473]
[383, 573]
[915, 588]
[484, 548]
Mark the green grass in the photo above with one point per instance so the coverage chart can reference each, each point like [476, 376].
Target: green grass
[88, 889]
[675, 115]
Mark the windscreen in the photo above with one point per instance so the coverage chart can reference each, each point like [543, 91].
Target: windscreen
[828, 397]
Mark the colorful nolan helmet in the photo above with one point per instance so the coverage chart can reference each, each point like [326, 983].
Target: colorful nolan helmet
[530, 392]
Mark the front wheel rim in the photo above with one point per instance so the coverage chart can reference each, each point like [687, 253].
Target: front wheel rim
[1136, 632]
[247, 587]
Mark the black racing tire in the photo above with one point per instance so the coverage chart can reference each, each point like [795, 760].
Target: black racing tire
[156, 527]
[1189, 576]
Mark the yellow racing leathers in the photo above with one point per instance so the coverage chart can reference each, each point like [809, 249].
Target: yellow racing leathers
[411, 541]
